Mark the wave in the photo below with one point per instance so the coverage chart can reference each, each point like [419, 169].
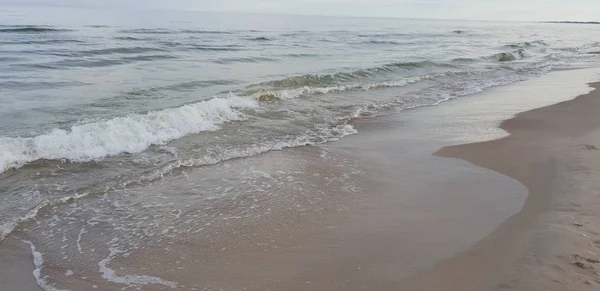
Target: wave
[260, 38]
[50, 41]
[473, 82]
[274, 95]
[214, 48]
[302, 55]
[331, 79]
[521, 45]
[464, 60]
[196, 31]
[244, 60]
[385, 34]
[8, 227]
[319, 136]
[94, 63]
[201, 47]
[148, 58]
[146, 31]
[382, 42]
[119, 50]
[131, 38]
[98, 26]
[508, 57]
[171, 31]
[131, 134]
[11, 59]
[180, 87]
[33, 85]
[31, 29]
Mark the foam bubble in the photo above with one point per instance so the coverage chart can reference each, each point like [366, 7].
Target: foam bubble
[38, 262]
[8, 227]
[130, 134]
[322, 135]
[110, 274]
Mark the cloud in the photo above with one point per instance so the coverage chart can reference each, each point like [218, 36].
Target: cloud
[449, 9]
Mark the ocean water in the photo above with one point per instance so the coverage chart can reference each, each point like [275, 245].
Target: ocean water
[98, 104]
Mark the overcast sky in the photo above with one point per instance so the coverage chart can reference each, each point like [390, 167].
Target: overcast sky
[583, 10]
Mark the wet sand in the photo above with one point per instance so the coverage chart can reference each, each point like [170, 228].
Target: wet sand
[376, 211]
[16, 272]
[553, 243]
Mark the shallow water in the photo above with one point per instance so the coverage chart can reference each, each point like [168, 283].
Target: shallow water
[103, 114]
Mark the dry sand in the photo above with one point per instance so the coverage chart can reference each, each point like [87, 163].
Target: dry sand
[554, 242]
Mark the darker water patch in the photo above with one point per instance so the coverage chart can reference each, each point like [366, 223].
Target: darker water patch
[194, 31]
[148, 58]
[384, 42]
[98, 26]
[31, 29]
[527, 44]
[33, 85]
[146, 31]
[120, 50]
[178, 87]
[317, 80]
[11, 59]
[244, 60]
[301, 56]
[131, 38]
[200, 84]
[199, 47]
[393, 34]
[41, 42]
[260, 38]
[79, 63]
[231, 48]
[93, 63]
[509, 57]
[464, 60]
[171, 31]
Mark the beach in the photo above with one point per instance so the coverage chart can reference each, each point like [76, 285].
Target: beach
[420, 201]
[552, 244]
[187, 150]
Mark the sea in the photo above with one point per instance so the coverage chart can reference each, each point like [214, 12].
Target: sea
[101, 108]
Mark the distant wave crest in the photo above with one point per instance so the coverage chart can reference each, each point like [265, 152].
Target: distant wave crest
[30, 29]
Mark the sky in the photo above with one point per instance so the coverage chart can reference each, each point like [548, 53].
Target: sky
[509, 10]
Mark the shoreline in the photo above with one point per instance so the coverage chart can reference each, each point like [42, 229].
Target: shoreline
[552, 243]
[410, 221]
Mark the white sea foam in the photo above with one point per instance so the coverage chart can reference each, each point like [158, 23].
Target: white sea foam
[38, 262]
[321, 136]
[8, 227]
[130, 134]
[110, 274]
[82, 231]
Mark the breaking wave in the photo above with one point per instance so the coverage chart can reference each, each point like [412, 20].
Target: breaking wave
[314, 137]
[130, 134]
[321, 80]
[284, 94]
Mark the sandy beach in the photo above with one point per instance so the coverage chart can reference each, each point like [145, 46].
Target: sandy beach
[553, 243]
[410, 203]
